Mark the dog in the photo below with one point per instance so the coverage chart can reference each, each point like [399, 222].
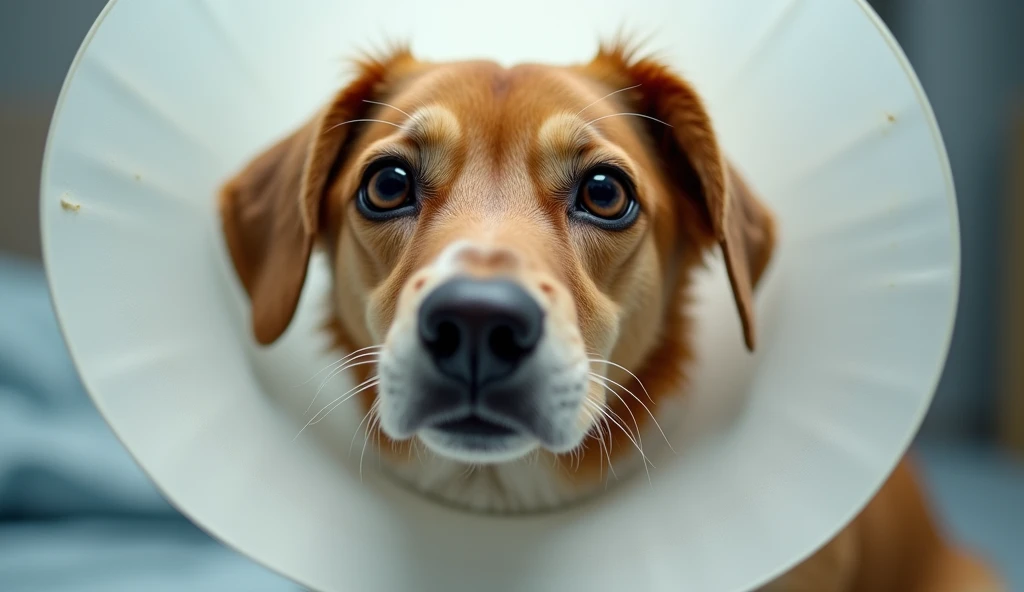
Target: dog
[512, 250]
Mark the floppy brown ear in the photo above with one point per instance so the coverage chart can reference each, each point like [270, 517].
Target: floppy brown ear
[266, 235]
[270, 210]
[742, 225]
[747, 244]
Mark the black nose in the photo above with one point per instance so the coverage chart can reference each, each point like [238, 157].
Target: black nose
[479, 330]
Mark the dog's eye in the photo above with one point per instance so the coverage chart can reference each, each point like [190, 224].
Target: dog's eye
[604, 199]
[603, 196]
[388, 191]
[388, 188]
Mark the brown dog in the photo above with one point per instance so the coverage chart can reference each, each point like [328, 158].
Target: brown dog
[513, 249]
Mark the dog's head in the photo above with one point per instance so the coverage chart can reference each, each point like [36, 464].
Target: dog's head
[498, 231]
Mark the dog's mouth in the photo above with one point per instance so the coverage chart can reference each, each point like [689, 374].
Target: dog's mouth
[476, 439]
[475, 426]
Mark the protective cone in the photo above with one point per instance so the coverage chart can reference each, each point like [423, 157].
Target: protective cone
[812, 99]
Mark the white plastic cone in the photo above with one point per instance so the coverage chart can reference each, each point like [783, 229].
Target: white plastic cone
[812, 99]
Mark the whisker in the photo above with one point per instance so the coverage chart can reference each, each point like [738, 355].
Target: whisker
[366, 438]
[382, 104]
[362, 386]
[604, 441]
[623, 401]
[369, 431]
[639, 400]
[366, 416]
[419, 451]
[620, 423]
[608, 451]
[341, 361]
[377, 439]
[331, 407]
[337, 125]
[605, 97]
[614, 419]
[632, 114]
[334, 404]
[599, 360]
[599, 436]
[332, 375]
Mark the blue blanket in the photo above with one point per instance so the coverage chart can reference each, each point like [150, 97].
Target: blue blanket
[76, 514]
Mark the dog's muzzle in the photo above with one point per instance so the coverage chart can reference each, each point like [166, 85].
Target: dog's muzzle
[478, 333]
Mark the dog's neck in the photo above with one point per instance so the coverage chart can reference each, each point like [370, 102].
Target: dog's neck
[543, 480]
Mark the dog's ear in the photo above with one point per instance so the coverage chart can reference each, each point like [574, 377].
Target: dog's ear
[747, 240]
[270, 211]
[742, 225]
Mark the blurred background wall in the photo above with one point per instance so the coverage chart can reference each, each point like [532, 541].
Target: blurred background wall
[38, 39]
[969, 56]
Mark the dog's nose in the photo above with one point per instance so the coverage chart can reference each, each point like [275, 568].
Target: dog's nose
[478, 330]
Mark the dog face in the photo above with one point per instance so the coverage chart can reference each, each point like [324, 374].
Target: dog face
[518, 240]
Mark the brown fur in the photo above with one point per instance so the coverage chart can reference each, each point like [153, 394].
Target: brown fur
[628, 290]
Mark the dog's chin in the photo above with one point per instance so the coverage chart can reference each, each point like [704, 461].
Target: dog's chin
[475, 448]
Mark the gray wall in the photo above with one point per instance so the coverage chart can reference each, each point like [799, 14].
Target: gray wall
[38, 39]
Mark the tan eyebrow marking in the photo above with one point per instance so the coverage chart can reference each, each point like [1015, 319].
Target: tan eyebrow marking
[437, 133]
[434, 126]
[562, 138]
[563, 134]
[567, 146]
[431, 139]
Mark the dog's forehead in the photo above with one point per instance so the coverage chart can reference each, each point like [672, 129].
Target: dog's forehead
[501, 107]
[483, 88]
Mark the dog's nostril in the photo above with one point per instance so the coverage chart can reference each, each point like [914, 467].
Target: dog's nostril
[446, 341]
[504, 345]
